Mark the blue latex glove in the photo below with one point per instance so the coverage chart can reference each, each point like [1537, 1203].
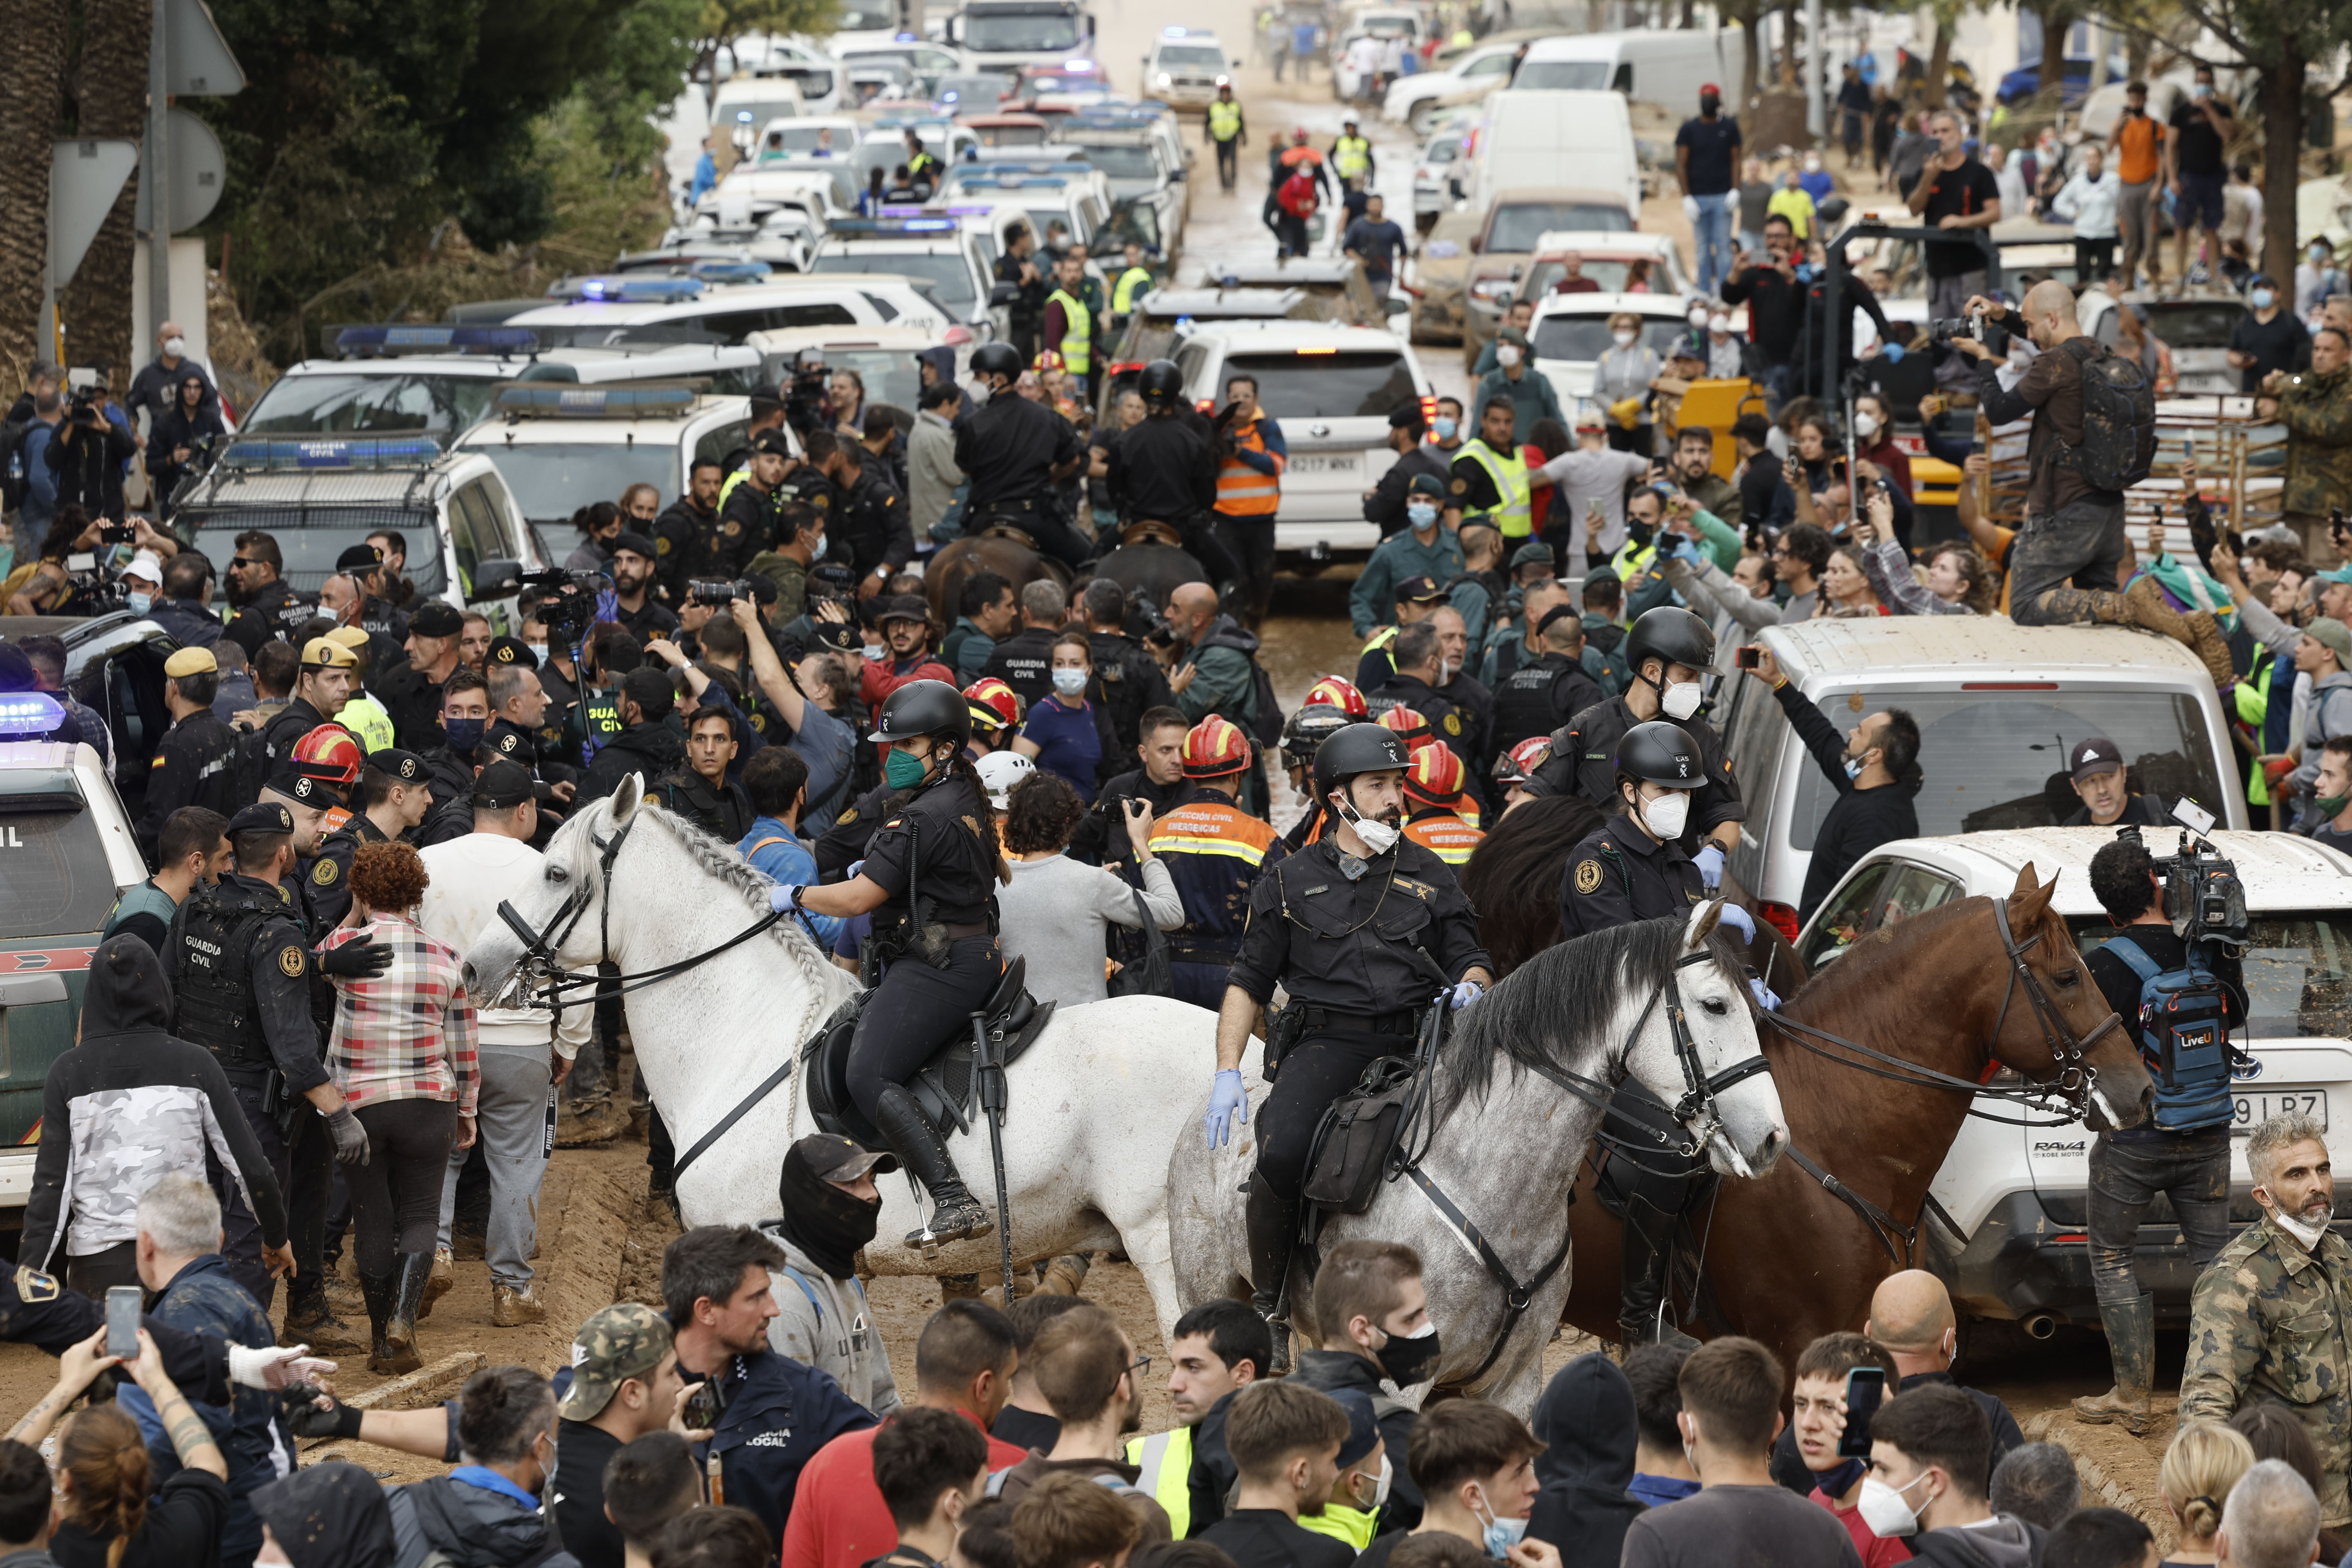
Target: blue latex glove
[1227, 1100]
[857, 865]
[1740, 921]
[780, 897]
[1467, 992]
[1891, 352]
[1709, 861]
[1763, 995]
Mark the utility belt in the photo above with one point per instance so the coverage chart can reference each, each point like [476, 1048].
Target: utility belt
[1298, 1020]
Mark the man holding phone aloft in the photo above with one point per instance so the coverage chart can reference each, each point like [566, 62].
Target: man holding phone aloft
[1956, 193]
[1842, 1379]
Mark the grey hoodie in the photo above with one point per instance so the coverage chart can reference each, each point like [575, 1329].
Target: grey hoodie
[2007, 1542]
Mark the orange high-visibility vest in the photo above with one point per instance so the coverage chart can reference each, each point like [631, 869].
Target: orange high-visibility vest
[1242, 491]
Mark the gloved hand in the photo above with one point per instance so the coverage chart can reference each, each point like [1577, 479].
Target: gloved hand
[780, 897]
[1467, 992]
[1690, 210]
[356, 960]
[351, 1137]
[859, 865]
[1891, 352]
[1738, 920]
[1709, 861]
[309, 1417]
[275, 1367]
[1227, 1100]
[1765, 999]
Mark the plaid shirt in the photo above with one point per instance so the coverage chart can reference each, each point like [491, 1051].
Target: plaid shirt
[408, 1033]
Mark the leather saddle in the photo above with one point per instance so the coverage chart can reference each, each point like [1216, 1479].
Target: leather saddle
[1149, 530]
[946, 1086]
[1018, 535]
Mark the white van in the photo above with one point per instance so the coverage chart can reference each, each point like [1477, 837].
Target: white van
[1655, 66]
[1567, 138]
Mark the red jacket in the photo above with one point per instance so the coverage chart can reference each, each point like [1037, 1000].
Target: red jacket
[877, 679]
[839, 1518]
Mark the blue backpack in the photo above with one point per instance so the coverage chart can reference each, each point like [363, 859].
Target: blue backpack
[2185, 1040]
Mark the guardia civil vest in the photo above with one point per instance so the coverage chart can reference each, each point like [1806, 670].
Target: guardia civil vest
[1514, 515]
[1379, 641]
[1224, 123]
[217, 1007]
[601, 716]
[146, 899]
[1166, 1461]
[1132, 282]
[1351, 156]
[1242, 491]
[1078, 332]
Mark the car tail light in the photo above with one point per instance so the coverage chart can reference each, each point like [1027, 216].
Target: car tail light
[956, 337]
[1123, 366]
[1782, 918]
[1428, 407]
[1206, 404]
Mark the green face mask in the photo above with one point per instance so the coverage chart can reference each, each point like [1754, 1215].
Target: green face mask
[902, 769]
[2331, 805]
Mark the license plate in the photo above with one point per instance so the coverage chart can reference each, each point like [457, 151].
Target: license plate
[2257, 1106]
[1329, 465]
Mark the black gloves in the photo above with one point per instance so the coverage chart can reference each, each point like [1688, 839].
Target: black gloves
[356, 960]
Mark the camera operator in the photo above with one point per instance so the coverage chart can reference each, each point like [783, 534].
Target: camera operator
[88, 452]
[2184, 1152]
[2064, 561]
[806, 407]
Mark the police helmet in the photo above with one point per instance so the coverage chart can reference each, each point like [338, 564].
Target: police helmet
[1674, 634]
[1308, 727]
[1660, 753]
[1160, 383]
[997, 359]
[931, 708]
[1355, 750]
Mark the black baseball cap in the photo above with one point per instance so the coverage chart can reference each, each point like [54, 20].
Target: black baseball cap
[2095, 756]
[1419, 591]
[503, 785]
[436, 618]
[831, 1157]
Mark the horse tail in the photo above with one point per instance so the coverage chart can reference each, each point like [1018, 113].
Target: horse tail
[1513, 876]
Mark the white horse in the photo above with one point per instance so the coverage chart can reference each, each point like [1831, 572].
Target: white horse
[1508, 1138]
[1097, 1102]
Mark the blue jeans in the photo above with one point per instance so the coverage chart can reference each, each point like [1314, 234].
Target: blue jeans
[1713, 239]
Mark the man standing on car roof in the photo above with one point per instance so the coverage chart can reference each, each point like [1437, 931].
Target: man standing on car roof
[2184, 1150]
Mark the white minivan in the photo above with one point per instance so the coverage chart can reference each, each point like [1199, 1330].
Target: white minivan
[1656, 67]
[1583, 139]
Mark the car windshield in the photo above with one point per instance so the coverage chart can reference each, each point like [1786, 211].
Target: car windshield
[801, 140]
[1012, 135]
[2298, 970]
[1521, 225]
[1998, 759]
[59, 883]
[1327, 385]
[1191, 56]
[949, 276]
[1586, 337]
[1127, 163]
[1609, 273]
[1020, 32]
[1578, 76]
[974, 93]
[2194, 323]
[1446, 150]
[310, 539]
[753, 113]
[864, 16]
[552, 479]
[889, 377]
[333, 403]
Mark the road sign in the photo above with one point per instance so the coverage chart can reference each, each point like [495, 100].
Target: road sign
[196, 59]
[84, 179]
[199, 171]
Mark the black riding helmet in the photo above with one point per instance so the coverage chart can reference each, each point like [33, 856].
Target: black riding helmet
[1307, 728]
[931, 708]
[1160, 384]
[1356, 749]
[1674, 634]
[1660, 754]
[996, 359]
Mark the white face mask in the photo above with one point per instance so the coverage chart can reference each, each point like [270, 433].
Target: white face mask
[1378, 836]
[1718, 325]
[1507, 355]
[175, 347]
[1865, 425]
[1380, 1490]
[980, 390]
[1069, 683]
[1624, 340]
[2307, 1234]
[1668, 814]
[1697, 318]
[1884, 1510]
[1679, 701]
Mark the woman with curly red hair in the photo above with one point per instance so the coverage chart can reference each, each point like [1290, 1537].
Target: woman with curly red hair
[403, 1054]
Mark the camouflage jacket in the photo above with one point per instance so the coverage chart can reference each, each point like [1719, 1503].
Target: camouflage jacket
[2268, 1320]
[2318, 420]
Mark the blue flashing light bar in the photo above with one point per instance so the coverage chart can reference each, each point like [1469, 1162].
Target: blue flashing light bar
[716, 272]
[555, 400]
[29, 713]
[627, 290]
[893, 225]
[284, 454]
[1171, 32]
[396, 338]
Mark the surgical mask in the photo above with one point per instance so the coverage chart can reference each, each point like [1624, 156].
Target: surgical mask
[1668, 814]
[1378, 836]
[1507, 355]
[1812, 163]
[876, 651]
[1622, 337]
[538, 650]
[1421, 514]
[2202, 89]
[1718, 324]
[2303, 1231]
[2319, 256]
[2330, 806]
[1380, 1486]
[463, 734]
[2262, 299]
[1884, 1510]
[1069, 683]
[1853, 767]
[1697, 316]
[1499, 1534]
[139, 603]
[980, 390]
[1412, 1359]
[1865, 425]
[902, 769]
[1680, 700]
[175, 347]
[1443, 427]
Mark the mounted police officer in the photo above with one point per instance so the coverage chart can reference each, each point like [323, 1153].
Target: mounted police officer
[241, 970]
[1362, 928]
[1016, 452]
[1165, 470]
[928, 881]
[1669, 649]
[1633, 868]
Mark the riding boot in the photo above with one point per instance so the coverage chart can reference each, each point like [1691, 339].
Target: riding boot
[2131, 1346]
[956, 1214]
[1641, 1288]
[411, 1271]
[1273, 1223]
[377, 1290]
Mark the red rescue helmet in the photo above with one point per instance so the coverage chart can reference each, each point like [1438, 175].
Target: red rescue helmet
[1340, 693]
[1436, 776]
[330, 755]
[1518, 765]
[1410, 727]
[1213, 748]
[995, 705]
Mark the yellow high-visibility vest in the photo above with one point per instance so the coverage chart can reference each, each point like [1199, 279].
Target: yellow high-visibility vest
[1166, 1461]
[1514, 513]
[1077, 332]
[1135, 281]
[1224, 119]
[1351, 156]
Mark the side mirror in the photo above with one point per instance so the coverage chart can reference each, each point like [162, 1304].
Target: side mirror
[1477, 243]
[495, 580]
[1456, 187]
[1516, 270]
[1003, 294]
[1175, 174]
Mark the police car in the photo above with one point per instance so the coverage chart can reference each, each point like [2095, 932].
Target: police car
[1331, 389]
[560, 447]
[1184, 68]
[66, 851]
[1147, 187]
[394, 380]
[604, 311]
[318, 496]
[1049, 190]
[938, 249]
[2006, 1223]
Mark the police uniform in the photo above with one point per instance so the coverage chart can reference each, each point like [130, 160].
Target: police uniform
[1619, 873]
[1126, 681]
[276, 612]
[327, 884]
[872, 530]
[1164, 470]
[1215, 854]
[196, 764]
[240, 969]
[1540, 696]
[296, 719]
[1009, 447]
[691, 541]
[1459, 727]
[1583, 762]
[843, 845]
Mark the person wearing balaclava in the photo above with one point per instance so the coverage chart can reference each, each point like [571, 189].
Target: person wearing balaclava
[831, 1207]
[1586, 1421]
[329, 1515]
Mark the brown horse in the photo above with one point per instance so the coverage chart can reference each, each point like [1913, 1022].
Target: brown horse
[1010, 559]
[1786, 1261]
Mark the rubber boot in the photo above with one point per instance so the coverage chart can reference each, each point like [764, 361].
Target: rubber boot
[399, 1336]
[955, 1213]
[1273, 1228]
[1642, 1287]
[2131, 1346]
[2144, 606]
[378, 1290]
[309, 1321]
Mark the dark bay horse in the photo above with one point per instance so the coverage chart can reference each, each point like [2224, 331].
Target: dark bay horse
[1786, 1261]
[1151, 563]
[1010, 559]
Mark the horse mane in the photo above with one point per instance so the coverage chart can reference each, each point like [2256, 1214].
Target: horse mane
[1522, 1022]
[1513, 876]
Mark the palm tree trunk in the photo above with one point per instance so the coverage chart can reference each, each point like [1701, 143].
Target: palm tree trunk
[32, 62]
[112, 89]
[2057, 20]
[1939, 63]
